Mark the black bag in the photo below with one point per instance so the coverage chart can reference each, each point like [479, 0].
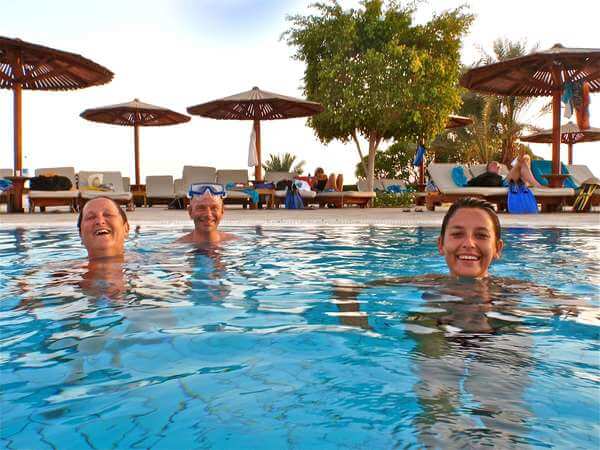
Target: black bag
[51, 183]
[282, 185]
[486, 179]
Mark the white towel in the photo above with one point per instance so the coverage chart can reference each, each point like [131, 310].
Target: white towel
[252, 156]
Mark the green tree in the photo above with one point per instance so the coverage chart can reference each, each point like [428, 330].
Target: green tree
[496, 124]
[394, 162]
[377, 74]
[283, 163]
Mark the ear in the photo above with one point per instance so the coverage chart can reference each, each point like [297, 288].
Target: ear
[189, 210]
[126, 228]
[440, 245]
[499, 248]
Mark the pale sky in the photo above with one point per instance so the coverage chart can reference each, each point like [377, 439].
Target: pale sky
[178, 53]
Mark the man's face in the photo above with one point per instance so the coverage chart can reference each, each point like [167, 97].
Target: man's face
[469, 244]
[103, 230]
[494, 167]
[206, 211]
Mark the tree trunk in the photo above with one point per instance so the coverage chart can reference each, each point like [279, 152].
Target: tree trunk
[360, 154]
[373, 144]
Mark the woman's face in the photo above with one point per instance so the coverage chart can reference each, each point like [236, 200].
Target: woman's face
[103, 230]
[469, 244]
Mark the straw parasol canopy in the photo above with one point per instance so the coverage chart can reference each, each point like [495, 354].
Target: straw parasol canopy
[135, 114]
[256, 105]
[570, 134]
[30, 66]
[542, 73]
[455, 121]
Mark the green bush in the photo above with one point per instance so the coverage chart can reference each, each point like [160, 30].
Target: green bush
[392, 200]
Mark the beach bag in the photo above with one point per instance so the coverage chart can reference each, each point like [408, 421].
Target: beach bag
[521, 200]
[293, 199]
[50, 183]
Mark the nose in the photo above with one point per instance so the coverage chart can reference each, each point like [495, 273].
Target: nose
[100, 220]
[468, 240]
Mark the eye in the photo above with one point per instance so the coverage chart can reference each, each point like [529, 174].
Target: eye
[482, 235]
[456, 234]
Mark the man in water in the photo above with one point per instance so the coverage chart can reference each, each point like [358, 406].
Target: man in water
[206, 210]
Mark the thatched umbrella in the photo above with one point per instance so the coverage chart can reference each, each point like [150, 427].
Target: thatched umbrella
[569, 134]
[30, 66]
[542, 73]
[135, 114]
[256, 105]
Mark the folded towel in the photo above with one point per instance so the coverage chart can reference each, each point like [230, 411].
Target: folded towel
[5, 184]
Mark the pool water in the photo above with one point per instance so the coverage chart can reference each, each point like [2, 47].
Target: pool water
[287, 338]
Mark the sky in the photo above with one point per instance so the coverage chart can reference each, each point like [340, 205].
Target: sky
[179, 53]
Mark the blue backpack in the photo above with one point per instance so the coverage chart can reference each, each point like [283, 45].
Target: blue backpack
[293, 199]
[521, 200]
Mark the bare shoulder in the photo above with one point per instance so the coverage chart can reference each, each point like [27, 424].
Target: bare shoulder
[228, 236]
[185, 239]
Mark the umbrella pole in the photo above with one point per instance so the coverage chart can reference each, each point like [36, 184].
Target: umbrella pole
[570, 152]
[18, 136]
[136, 139]
[257, 171]
[555, 137]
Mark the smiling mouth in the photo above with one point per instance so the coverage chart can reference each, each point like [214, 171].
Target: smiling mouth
[468, 258]
[102, 232]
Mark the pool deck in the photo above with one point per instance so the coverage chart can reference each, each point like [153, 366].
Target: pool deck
[160, 216]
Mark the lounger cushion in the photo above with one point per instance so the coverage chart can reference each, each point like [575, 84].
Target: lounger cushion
[579, 173]
[485, 191]
[196, 174]
[237, 195]
[53, 194]
[353, 194]
[232, 176]
[160, 186]
[6, 173]
[303, 193]
[552, 192]
[274, 177]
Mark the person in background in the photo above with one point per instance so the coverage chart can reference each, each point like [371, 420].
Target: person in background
[490, 178]
[521, 172]
[206, 210]
[320, 181]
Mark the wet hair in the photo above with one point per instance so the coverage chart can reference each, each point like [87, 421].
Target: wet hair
[121, 212]
[319, 170]
[476, 203]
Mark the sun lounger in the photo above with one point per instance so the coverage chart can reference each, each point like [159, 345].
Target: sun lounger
[579, 174]
[274, 177]
[239, 177]
[195, 174]
[448, 191]
[345, 198]
[5, 173]
[378, 185]
[178, 187]
[119, 194]
[160, 189]
[42, 199]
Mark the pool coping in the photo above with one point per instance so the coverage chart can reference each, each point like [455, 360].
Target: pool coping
[161, 217]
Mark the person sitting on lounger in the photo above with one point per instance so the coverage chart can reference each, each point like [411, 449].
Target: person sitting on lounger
[521, 172]
[206, 210]
[103, 228]
[490, 178]
[320, 182]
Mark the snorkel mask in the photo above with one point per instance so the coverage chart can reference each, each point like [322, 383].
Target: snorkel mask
[200, 189]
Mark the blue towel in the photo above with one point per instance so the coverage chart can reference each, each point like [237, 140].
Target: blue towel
[541, 167]
[5, 184]
[459, 177]
[249, 191]
[419, 155]
[395, 189]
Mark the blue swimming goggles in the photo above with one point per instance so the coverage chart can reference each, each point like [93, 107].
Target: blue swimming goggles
[198, 189]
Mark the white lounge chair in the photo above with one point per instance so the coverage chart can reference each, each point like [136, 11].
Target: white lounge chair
[5, 173]
[196, 174]
[240, 176]
[178, 188]
[42, 199]
[160, 189]
[108, 177]
[273, 177]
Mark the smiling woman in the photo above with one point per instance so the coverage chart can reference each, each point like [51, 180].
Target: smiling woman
[470, 238]
[103, 227]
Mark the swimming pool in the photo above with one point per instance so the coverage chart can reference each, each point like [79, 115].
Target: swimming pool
[284, 339]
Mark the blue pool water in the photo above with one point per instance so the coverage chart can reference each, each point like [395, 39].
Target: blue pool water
[285, 339]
